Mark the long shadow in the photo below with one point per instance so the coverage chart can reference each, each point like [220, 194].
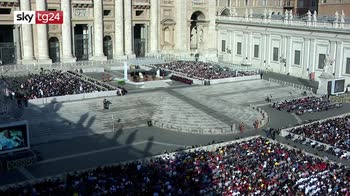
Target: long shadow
[72, 152]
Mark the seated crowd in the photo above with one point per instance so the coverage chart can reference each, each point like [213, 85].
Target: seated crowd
[201, 70]
[49, 83]
[306, 105]
[254, 167]
[334, 132]
[181, 79]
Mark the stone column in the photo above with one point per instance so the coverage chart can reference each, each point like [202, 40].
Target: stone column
[154, 27]
[312, 65]
[333, 53]
[119, 29]
[339, 59]
[251, 47]
[98, 32]
[181, 26]
[128, 35]
[90, 31]
[306, 58]
[43, 41]
[262, 52]
[268, 51]
[27, 37]
[289, 54]
[67, 56]
[16, 39]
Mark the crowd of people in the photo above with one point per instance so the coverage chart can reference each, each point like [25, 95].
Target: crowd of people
[202, 70]
[181, 79]
[334, 132]
[51, 83]
[254, 167]
[305, 105]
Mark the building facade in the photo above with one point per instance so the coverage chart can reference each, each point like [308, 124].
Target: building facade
[329, 7]
[256, 33]
[300, 7]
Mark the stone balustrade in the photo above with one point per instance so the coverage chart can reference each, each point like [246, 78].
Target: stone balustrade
[295, 22]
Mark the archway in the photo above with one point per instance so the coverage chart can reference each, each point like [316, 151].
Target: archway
[54, 49]
[226, 12]
[196, 30]
[108, 47]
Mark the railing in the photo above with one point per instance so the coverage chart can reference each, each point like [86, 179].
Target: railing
[299, 22]
[297, 86]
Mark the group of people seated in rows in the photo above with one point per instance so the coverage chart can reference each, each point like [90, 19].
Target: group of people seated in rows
[334, 132]
[306, 105]
[181, 79]
[51, 83]
[202, 70]
[253, 167]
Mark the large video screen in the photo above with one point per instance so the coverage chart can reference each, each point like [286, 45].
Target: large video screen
[339, 86]
[13, 137]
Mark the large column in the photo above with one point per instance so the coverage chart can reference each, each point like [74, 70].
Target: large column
[181, 26]
[262, 52]
[250, 47]
[312, 65]
[90, 32]
[119, 29]
[339, 60]
[98, 32]
[16, 39]
[268, 51]
[333, 53]
[27, 37]
[154, 27]
[289, 54]
[305, 59]
[43, 41]
[67, 56]
[128, 28]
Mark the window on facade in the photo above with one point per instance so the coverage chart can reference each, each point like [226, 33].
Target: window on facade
[264, 2]
[256, 51]
[139, 12]
[297, 57]
[239, 48]
[5, 11]
[275, 54]
[321, 58]
[223, 45]
[246, 2]
[301, 3]
[106, 12]
[347, 70]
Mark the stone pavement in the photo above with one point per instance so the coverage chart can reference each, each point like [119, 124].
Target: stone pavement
[130, 139]
[198, 109]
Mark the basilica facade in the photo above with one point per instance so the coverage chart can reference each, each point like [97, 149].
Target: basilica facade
[264, 34]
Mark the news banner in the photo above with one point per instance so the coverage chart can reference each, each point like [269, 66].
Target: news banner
[38, 17]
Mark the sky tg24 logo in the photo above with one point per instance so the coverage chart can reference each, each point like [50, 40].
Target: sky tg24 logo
[38, 17]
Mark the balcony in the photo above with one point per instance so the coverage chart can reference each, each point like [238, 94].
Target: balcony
[9, 3]
[82, 3]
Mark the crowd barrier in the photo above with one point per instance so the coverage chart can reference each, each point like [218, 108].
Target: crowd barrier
[235, 79]
[182, 79]
[297, 86]
[286, 132]
[76, 97]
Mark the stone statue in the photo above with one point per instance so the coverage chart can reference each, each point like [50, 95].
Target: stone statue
[201, 34]
[314, 16]
[286, 15]
[342, 18]
[194, 37]
[158, 73]
[265, 13]
[270, 14]
[327, 69]
[246, 15]
[336, 16]
[251, 13]
[309, 16]
[290, 15]
[140, 75]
